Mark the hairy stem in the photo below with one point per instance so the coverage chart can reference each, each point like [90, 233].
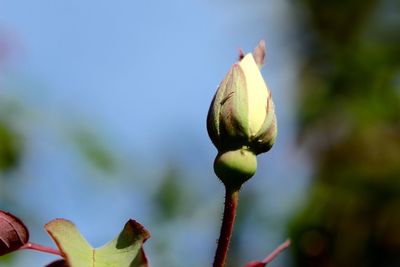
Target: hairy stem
[231, 202]
[41, 248]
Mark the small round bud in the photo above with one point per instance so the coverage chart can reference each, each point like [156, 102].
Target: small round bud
[235, 167]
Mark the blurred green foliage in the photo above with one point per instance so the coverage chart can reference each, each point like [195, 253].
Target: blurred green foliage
[7, 259]
[11, 140]
[169, 200]
[10, 147]
[94, 150]
[349, 120]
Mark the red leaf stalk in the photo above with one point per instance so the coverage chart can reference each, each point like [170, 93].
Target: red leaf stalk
[41, 248]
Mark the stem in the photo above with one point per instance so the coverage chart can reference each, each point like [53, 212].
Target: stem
[275, 253]
[231, 202]
[41, 248]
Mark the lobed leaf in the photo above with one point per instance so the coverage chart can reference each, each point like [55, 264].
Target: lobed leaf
[126, 250]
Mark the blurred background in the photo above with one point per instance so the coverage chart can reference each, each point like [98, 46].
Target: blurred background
[102, 119]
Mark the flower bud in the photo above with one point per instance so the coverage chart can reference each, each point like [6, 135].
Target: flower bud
[242, 112]
[241, 121]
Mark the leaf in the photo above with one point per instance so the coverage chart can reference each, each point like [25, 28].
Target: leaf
[124, 251]
[270, 257]
[13, 233]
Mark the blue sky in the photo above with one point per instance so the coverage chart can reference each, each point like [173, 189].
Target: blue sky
[142, 73]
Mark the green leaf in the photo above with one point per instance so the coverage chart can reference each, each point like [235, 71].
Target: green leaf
[124, 251]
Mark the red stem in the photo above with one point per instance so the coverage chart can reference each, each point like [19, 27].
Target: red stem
[231, 202]
[275, 253]
[41, 248]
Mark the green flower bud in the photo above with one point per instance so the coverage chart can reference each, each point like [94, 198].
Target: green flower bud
[241, 121]
[242, 112]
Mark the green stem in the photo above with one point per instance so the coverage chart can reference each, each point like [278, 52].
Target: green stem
[231, 202]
